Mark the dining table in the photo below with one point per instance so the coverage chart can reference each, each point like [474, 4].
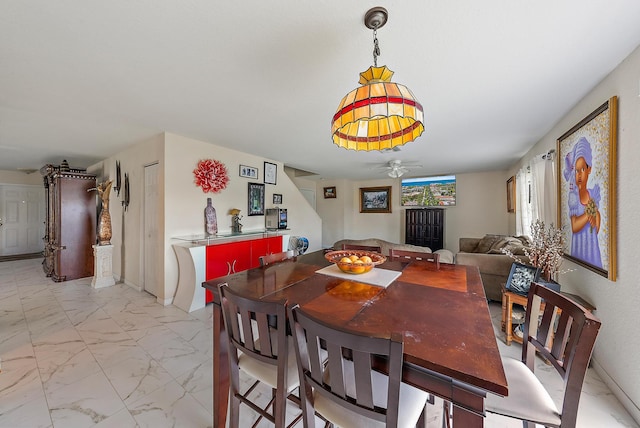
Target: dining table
[450, 349]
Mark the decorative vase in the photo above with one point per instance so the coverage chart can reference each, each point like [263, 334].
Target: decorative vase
[210, 219]
[104, 221]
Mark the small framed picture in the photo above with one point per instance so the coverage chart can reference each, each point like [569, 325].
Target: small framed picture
[375, 199]
[277, 199]
[248, 172]
[256, 199]
[520, 278]
[330, 192]
[511, 194]
[270, 172]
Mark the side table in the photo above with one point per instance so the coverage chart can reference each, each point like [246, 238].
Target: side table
[510, 298]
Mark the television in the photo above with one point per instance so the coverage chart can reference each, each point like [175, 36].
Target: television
[436, 191]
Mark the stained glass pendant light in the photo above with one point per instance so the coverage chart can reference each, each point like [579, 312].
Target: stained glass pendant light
[379, 114]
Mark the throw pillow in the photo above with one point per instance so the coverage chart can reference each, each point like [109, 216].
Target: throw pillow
[506, 242]
[487, 242]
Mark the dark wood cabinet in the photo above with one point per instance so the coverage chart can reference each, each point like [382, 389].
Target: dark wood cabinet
[425, 227]
[70, 230]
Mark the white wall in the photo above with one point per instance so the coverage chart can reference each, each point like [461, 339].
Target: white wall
[481, 207]
[618, 346]
[17, 177]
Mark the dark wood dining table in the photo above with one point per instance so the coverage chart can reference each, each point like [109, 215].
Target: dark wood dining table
[450, 348]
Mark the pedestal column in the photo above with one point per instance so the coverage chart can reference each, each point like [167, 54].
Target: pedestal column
[103, 266]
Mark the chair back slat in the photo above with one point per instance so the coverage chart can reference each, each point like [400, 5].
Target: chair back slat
[565, 336]
[269, 259]
[395, 254]
[351, 388]
[254, 327]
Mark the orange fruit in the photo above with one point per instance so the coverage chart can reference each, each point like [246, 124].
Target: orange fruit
[366, 259]
[353, 258]
[358, 267]
[345, 260]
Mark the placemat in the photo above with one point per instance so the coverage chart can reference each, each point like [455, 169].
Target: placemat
[377, 276]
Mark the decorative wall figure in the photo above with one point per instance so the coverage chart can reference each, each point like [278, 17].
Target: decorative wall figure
[125, 201]
[211, 175]
[104, 220]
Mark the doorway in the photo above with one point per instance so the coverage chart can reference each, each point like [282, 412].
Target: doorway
[22, 217]
[151, 245]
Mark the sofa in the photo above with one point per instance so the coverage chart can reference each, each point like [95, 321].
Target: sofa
[487, 254]
[446, 256]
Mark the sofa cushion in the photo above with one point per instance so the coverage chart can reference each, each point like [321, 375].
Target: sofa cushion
[485, 244]
[514, 245]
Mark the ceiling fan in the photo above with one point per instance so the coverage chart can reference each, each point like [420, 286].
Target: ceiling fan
[396, 169]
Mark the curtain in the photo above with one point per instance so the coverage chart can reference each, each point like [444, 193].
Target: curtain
[536, 187]
[523, 207]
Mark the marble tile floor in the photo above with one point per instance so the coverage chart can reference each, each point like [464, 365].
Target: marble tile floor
[76, 357]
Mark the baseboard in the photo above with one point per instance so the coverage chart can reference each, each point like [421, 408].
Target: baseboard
[626, 402]
[132, 285]
[164, 302]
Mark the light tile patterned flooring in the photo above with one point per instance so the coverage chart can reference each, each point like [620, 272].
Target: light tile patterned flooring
[73, 356]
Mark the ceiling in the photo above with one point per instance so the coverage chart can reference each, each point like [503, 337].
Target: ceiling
[82, 80]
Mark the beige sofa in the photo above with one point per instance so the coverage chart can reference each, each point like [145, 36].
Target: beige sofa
[486, 253]
[446, 256]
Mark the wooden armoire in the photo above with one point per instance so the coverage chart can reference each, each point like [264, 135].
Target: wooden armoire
[425, 227]
[70, 230]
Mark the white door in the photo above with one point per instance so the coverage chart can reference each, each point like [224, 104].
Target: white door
[21, 219]
[151, 252]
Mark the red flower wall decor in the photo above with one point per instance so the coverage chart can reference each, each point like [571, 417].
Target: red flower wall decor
[211, 175]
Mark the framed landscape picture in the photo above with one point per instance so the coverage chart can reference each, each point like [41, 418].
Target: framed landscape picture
[375, 199]
[330, 192]
[256, 199]
[587, 190]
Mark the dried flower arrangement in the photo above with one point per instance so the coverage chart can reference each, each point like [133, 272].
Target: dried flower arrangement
[545, 251]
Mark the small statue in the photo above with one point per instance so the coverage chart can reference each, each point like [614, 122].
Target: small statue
[236, 226]
[104, 221]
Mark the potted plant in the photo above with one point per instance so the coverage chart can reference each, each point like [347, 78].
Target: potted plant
[545, 251]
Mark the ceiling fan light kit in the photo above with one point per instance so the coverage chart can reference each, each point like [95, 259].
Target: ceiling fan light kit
[379, 115]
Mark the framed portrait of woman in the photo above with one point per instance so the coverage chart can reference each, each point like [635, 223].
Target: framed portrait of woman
[587, 190]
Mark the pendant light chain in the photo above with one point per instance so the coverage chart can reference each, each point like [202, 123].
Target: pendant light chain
[376, 48]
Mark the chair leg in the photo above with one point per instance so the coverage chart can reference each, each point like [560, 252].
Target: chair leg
[446, 414]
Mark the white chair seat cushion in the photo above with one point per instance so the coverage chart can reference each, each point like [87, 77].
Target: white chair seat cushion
[527, 400]
[267, 373]
[412, 402]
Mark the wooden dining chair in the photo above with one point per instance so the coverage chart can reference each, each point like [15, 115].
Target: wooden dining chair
[347, 390]
[371, 248]
[414, 255]
[259, 346]
[564, 336]
[270, 259]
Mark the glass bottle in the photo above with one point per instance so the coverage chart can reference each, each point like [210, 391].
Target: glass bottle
[210, 220]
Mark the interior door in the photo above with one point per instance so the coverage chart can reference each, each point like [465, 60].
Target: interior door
[151, 244]
[22, 216]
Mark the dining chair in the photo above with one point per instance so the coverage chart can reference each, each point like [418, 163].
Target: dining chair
[259, 346]
[270, 259]
[348, 390]
[371, 248]
[415, 255]
[564, 334]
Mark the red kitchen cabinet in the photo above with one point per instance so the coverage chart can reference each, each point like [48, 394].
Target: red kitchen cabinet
[232, 257]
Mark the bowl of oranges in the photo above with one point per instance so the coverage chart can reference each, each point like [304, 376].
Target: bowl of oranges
[355, 261]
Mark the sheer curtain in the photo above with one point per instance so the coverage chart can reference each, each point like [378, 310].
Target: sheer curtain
[536, 188]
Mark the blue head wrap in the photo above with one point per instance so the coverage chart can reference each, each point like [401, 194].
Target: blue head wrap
[582, 149]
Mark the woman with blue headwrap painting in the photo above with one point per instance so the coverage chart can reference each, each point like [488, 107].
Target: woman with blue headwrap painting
[583, 203]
